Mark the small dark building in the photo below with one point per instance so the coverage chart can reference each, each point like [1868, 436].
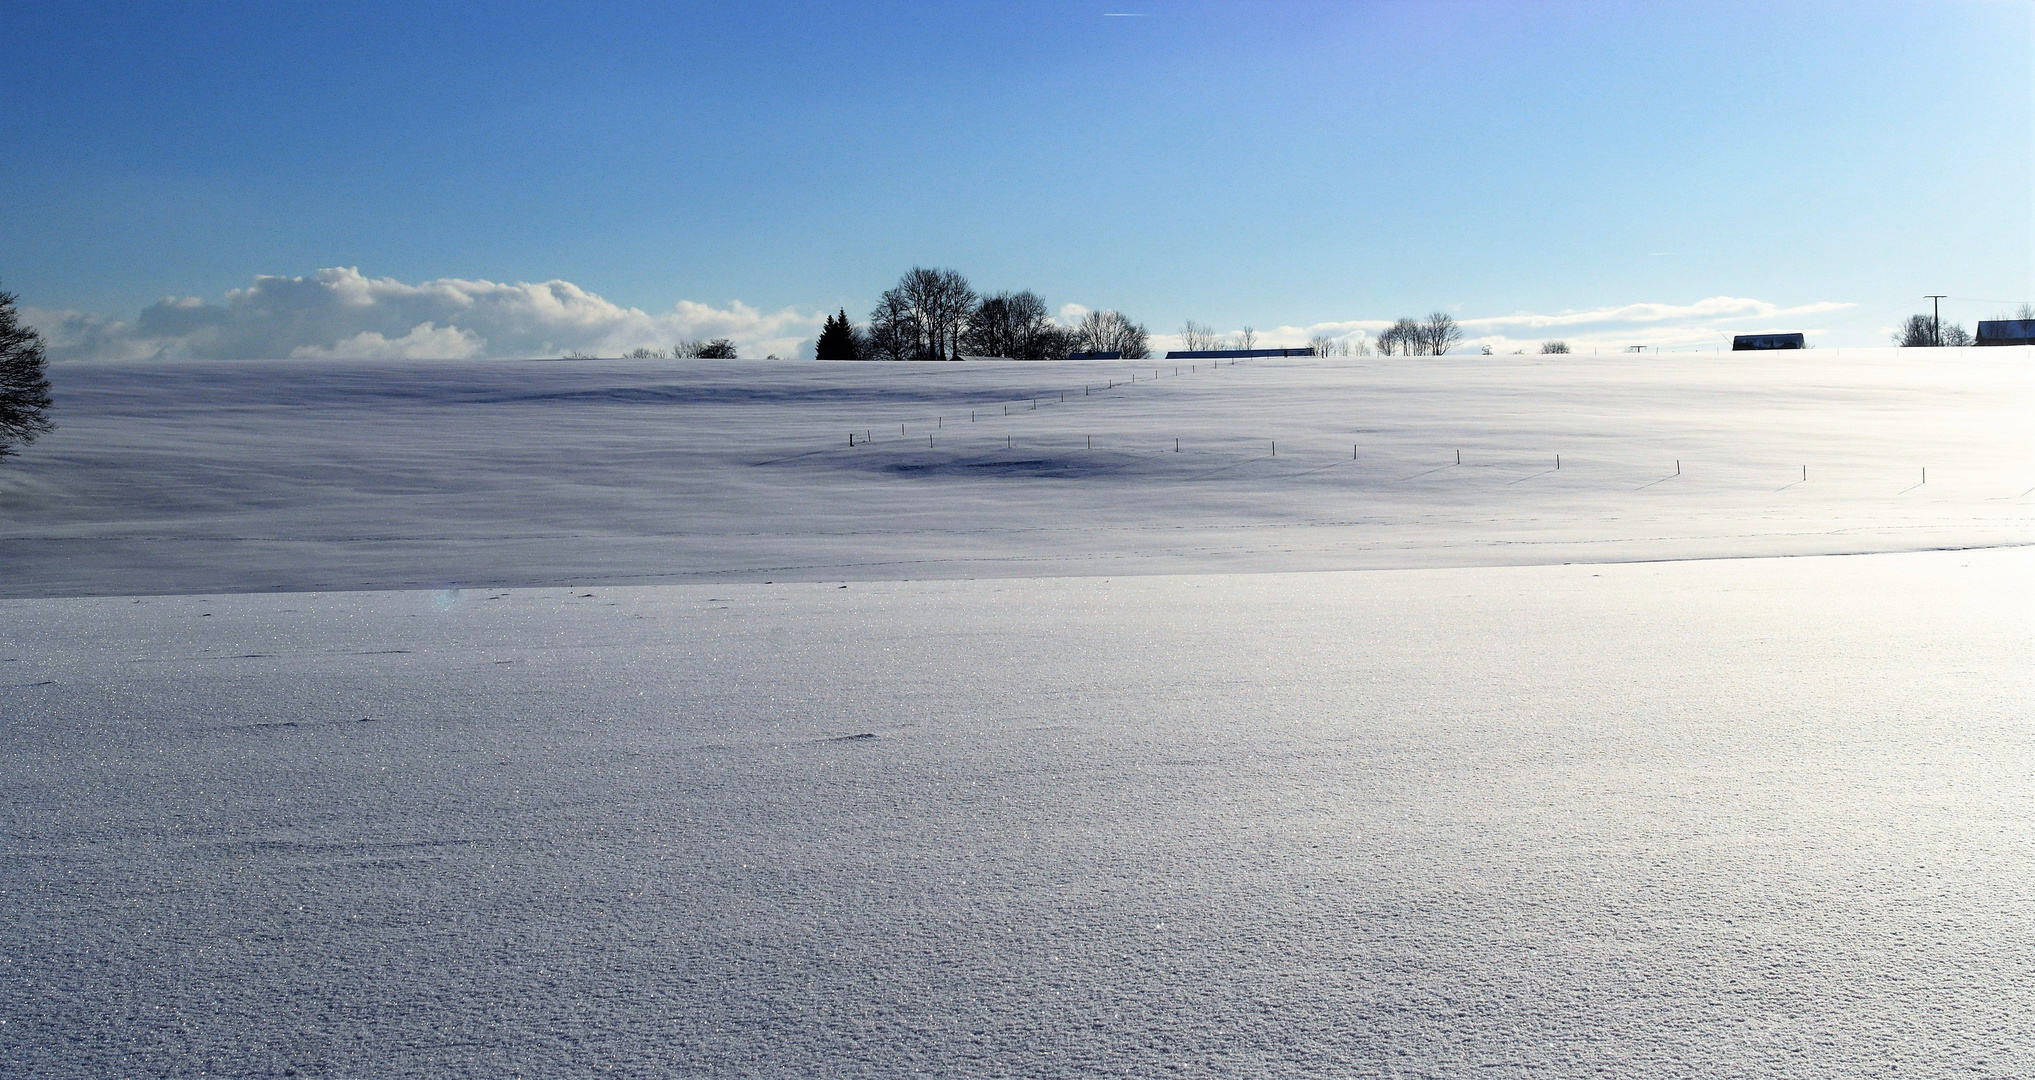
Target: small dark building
[1231, 354]
[1757, 342]
[1095, 356]
[2006, 332]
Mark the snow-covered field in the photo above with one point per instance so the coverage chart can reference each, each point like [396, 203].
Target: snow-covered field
[437, 720]
[320, 475]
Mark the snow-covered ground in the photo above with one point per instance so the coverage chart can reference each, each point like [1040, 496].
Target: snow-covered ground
[323, 475]
[1076, 799]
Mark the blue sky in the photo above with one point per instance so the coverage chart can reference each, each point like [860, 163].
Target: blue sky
[1265, 164]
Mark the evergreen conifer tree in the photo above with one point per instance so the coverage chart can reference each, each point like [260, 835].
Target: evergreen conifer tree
[24, 385]
[836, 340]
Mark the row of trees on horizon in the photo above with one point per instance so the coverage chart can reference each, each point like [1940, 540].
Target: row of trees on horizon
[719, 348]
[933, 314]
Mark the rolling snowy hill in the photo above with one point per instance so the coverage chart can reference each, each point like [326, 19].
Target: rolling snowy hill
[485, 720]
[324, 475]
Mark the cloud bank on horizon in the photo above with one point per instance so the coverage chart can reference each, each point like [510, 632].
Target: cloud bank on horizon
[340, 313]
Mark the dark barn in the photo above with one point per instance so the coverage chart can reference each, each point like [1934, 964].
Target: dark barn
[1757, 342]
[2006, 332]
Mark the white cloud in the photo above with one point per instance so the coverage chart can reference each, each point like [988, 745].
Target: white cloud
[423, 342]
[340, 313]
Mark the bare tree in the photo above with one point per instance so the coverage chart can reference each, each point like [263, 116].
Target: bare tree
[1402, 338]
[1038, 338]
[923, 316]
[1554, 347]
[894, 331]
[1918, 332]
[1323, 345]
[993, 326]
[914, 325]
[1014, 325]
[1108, 331]
[1247, 338]
[691, 349]
[644, 354]
[1439, 334]
[1196, 337]
[1922, 331]
[1058, 342]
[947, 299]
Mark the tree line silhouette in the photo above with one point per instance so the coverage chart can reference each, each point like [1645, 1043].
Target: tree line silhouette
[935, 314]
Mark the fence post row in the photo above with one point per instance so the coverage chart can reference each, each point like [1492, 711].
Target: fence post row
[1088, 390]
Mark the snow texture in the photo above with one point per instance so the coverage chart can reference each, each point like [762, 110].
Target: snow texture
[251, 476]
[1110, 809]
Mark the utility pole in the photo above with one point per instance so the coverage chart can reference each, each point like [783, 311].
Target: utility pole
[1936, 329]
